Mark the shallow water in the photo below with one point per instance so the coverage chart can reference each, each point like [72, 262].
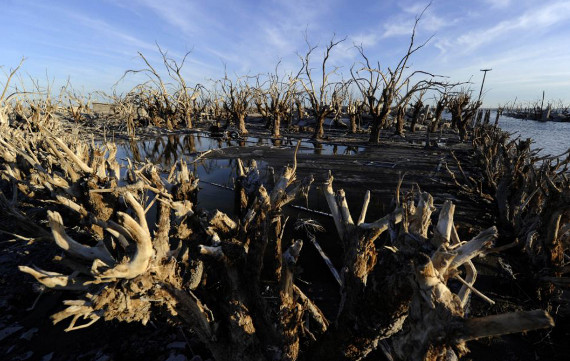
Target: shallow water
[165, 150]
[552, 137]
[215, 174]
[217, 181]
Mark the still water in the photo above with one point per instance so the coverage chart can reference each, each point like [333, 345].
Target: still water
[217, 175]
[217, 180]
[552, 137]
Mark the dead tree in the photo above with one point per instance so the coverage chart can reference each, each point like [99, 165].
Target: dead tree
[463, 111]
[400, 120]
[299, 101]
[279, 95]
[237, 95]
[125, 265]
[183, 95]
[416, 112]
[385, 90]
[216, 106]
[498, 115]
[440, 106]
[126, 109]
[78, 104]
[320, 98]
[354, 111]
[420, 318]
[487, 117]
[164, 102]
[531, 195]
[261, 102]
[36, 105]
[337, 102]
[158, 101]
[201, 103]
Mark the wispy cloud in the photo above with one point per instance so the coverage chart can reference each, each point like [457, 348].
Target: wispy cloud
[178, 13]
[109, 31]
[251, 36]
[535, 20]
[498, 4]
[365, 40]
[404, 22]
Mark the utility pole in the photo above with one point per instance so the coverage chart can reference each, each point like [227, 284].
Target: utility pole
[483, 82]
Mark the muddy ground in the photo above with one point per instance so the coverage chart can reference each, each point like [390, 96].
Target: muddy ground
[26, 332]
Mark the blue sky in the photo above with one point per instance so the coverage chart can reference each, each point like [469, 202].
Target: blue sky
[527, 43]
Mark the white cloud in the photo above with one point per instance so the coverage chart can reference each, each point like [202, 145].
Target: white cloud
[176, 13]
[109, 31]
[534, 20]
[498, 4]
[413, 8]
[403, 24]
[366, 40]
[397, 29]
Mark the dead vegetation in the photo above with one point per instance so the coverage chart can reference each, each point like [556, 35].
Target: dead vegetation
[274, 98]
[231, 278]
[134, 247]
[378, 97]
[532, 196]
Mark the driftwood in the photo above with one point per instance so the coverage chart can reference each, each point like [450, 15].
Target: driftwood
[231, 280]
[419, 318]
[531, 195]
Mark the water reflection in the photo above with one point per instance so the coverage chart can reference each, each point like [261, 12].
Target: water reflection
[318, 148]
[329, 149]
[217, 175]
[190, 144]
[166, 150]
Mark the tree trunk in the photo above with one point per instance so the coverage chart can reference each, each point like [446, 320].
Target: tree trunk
[487, 117]
[353, 128]
[462, 127]
[437, 117]
[454, 120]
[400, 122]
[188, 117]
[319, 127]
[374, 134]
[300, 110]
[276, 126]
[169, 124]
[288, 119]
[377, 123]
[241, 124]
[415, 117]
